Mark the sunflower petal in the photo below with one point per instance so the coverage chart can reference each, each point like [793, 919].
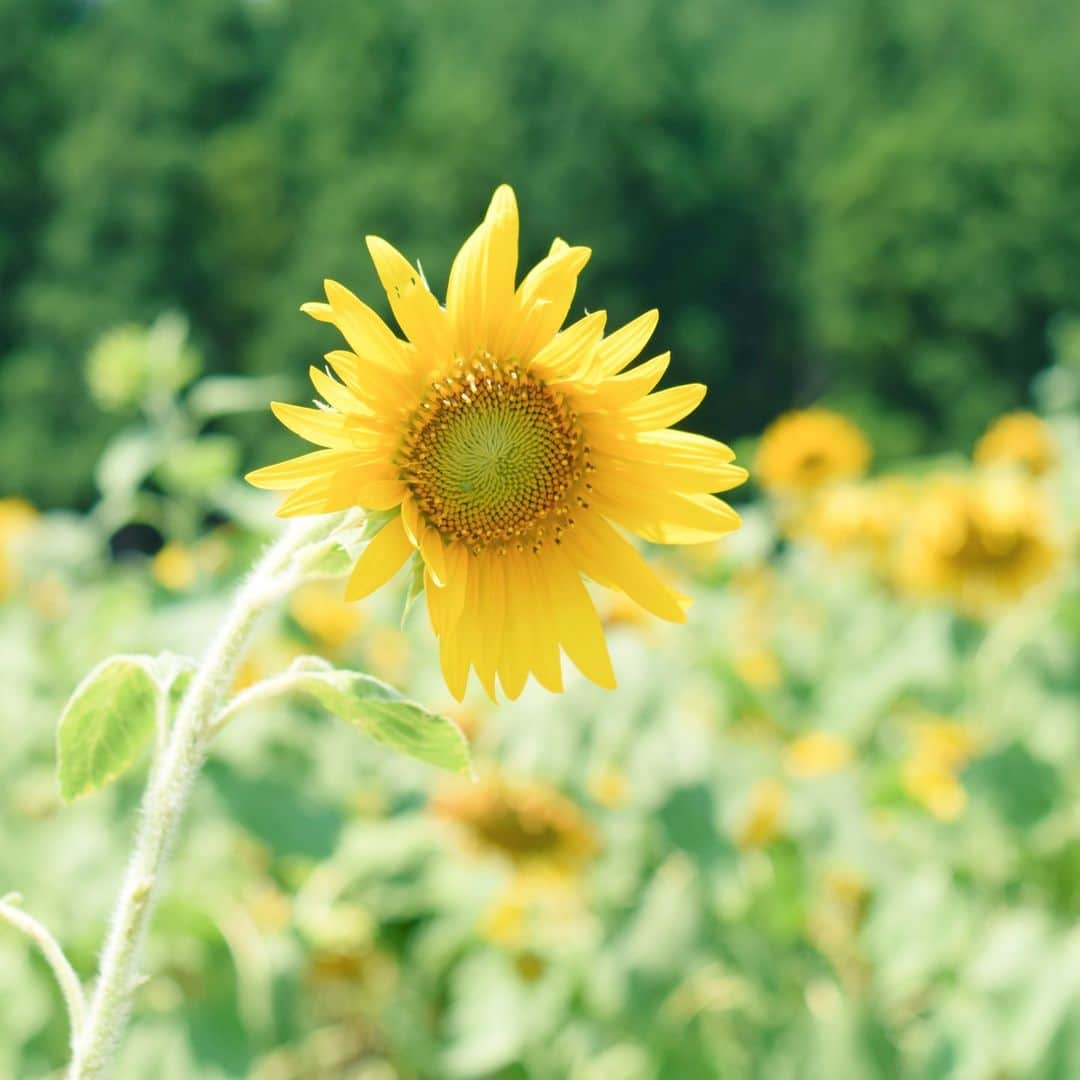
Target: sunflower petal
[481, 287]
[383, 557]
[625, 345]
[417, 311]
[580, 632]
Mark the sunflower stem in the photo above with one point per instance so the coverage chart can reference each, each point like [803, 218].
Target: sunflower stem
[167, 795]
[38, 933]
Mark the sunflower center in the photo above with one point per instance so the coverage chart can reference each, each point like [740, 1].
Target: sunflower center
[491, 456]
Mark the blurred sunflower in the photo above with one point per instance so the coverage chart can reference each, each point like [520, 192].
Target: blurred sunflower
[979, 542]
[940, 750]
[504, 452]
[320, 612]
[17, 517]
[531, 825]
[762, 820]
[859, 518]
[802, 451]
[1018, 438]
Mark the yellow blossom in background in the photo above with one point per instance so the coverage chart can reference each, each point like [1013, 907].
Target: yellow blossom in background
[388, 652]
[758, 667]
[859, 518]
[817, 753]
[979, 541]
[324, 616]
[17, 518]
[507, 455]
[929, 776]
[802, 451]
[174, 567]
[763, 819]
[1018, 438]
[530, 824]
[610, 787]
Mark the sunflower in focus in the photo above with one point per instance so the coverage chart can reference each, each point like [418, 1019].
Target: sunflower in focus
[1018, 438]
[979, 542]
[805, 450]
[506, 454]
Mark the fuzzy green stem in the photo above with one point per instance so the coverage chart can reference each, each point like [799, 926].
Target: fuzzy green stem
[69, 983]
[167, 796]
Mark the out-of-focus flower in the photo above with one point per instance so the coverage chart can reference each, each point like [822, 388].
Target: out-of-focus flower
[504, 453]
[387, 651]
[269, 657]
[763, 819]
[1018, 438]
[610, 787]
[802, 451]
[17, 518]
[929, 776]
[859, 518]
[758, 667]
[322, 613]
[531, 825]
[979, 542]
[174, 567]
[817, 753]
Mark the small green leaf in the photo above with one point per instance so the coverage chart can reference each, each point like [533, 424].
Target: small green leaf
[381, 712]
[416, 587]
[106, 724]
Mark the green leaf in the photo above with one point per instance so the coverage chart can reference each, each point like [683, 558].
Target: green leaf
[112, 715]
[416, 587]
[381, 712]
[106, 724]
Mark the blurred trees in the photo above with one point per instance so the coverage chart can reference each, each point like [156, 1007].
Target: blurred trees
[876, 203]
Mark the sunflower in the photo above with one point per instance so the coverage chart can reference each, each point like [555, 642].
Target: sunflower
[505, 454]
[980, 541]
[804, 450]
[531, 825]
[1018, 438]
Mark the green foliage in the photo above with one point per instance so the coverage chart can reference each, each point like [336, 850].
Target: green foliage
[111, 718]
[872, 203]
[379, 711]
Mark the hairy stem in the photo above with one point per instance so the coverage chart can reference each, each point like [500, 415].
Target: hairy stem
[167, 796]
[70, 986]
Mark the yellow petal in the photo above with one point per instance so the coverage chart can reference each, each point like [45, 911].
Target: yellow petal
[520, 612]
[383, 557]
[625, 389]
[580, 632]
[673, 476]
[543, 302]
[434, 554]
[289, 474]
[334, 394]
[320, 426]
[417, 311]
[368, 336]
[491, 612]
[480, 292]
[544, 659]
[667, 519]
[570, 353]
[606, 557]
[625, 344]
[664, 408]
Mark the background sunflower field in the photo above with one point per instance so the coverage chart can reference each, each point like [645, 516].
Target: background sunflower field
[829, 828]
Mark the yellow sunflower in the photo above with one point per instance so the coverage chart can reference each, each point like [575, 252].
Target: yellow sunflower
[530, 824]
[1018, 438]
[506, 454]
[804, 450]
[980, 541]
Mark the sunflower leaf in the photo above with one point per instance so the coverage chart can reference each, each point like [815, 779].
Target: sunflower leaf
[381, 712]
[106, 724]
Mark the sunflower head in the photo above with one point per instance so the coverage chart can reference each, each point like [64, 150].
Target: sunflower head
[1021, 439]
[805, 450]
[979, 542]
[529, 824]
[510, 456]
